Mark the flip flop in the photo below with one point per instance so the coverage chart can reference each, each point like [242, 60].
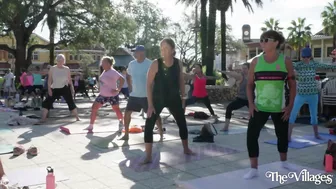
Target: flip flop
[32, 151]
[18, 150]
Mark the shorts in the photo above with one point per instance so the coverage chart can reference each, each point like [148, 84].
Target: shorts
[29, 89]
[9, 89]
[125, 91]
[135, 104]
[113, 100]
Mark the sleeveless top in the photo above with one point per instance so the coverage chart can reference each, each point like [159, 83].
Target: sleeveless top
[29, 80]
[166, 83]
[271, 90]
[242, 89]
[199, 87]
[60, 77]
[37, 79]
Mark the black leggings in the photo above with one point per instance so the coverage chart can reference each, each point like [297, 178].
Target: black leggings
[175, 108]
[255, 125]
[56, 94]
[205, 100]
[235, 105]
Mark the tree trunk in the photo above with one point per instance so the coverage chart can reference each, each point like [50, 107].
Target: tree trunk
[223, 42]
[211, 40]
[204, 29]
[52, 47]
[21, 52]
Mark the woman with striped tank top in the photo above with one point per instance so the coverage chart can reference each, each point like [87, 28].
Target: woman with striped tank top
[307, 89]
[269, 77]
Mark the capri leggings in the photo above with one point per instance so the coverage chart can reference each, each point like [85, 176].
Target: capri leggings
[300, 100]
[176, 109]
[57, 93]
[255, 125]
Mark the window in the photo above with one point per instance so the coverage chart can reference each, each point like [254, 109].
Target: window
[71, 57]
[98, 58]
[317, 52]
[76, 57]
[329, 49]
[35, 56]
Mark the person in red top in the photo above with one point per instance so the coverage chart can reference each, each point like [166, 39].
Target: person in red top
[199, 93]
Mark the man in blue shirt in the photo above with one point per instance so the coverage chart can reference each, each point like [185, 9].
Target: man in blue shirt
[137, 80]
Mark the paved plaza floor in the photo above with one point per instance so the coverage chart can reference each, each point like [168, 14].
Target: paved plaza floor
[116, 166]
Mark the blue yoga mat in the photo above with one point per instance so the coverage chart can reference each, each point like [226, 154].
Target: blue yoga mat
[305, 141]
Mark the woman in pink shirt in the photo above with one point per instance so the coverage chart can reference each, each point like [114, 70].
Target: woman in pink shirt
[200, 93]
[108, 91]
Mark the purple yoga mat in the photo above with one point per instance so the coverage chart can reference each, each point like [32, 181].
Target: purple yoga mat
[175, 157]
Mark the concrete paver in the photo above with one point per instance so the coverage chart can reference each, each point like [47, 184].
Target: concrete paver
[89, 167]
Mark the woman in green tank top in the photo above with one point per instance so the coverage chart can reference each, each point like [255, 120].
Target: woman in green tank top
[271, 79]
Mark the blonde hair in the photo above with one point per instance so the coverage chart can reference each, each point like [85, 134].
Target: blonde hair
[109, 59]
[59, 57]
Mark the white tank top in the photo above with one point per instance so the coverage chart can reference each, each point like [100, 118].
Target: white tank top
[60, 77]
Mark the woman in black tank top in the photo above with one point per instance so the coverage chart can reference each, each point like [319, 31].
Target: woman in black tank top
[165, 88]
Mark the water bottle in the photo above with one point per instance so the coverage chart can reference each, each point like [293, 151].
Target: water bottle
[17, 97]
[50, 180]
[329, 162]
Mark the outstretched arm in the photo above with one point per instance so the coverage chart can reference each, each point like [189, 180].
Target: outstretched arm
[233, 74]
[324, 66]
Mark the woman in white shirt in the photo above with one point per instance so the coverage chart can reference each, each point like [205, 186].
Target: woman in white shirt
[59, 84]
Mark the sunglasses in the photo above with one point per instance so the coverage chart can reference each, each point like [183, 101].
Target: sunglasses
[306, 57]
[267, 40]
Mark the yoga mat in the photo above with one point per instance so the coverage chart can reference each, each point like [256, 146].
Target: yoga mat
[235, 180]
[6, 149]
[176, 156]
[305, 141]
[75, 129]
[32, 176]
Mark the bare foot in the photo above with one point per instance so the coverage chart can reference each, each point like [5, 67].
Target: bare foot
[77, 119]
[188, 152]
[147, 161]
[41, 122]
[161, 138]
[89, 128]
[224, 129]
[318, 137]
[125, 137]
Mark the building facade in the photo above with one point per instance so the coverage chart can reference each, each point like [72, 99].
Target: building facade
[75, 59]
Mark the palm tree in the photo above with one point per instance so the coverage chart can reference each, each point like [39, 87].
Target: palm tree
[299, 34]
[210, 55]
[52, 25]
[223, 6]
[204, 25]
[329, 21]
[272, 24]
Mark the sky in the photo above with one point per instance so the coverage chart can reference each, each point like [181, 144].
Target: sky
[283, 10]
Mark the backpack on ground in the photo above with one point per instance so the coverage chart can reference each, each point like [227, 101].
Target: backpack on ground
[208, 133]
